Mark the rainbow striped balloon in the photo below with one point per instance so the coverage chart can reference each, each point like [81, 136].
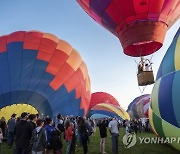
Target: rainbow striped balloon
[103, 104]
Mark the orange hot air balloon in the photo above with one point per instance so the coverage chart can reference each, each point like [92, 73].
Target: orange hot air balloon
[44, 72]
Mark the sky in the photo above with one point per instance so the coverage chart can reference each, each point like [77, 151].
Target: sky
[110, 70]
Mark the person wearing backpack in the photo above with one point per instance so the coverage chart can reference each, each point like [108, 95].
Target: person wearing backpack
[38, 140]
[85, 131]
[56, 142]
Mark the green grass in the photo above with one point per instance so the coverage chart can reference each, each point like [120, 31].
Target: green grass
[93, 147]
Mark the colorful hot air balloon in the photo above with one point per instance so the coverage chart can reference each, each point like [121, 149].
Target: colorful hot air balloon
[43, 71]
[140, 25]
[108, 110]
[105, 105]
[102, 97]
[164, 110]
[138, 108]
[170, 62]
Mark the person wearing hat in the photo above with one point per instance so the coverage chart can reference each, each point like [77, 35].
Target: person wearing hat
[23, 132]
[10, 130]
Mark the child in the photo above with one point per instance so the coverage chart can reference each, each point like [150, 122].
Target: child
[1, 137]
[68, 136]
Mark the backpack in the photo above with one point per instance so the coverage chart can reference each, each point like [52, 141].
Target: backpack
[56, 142]
[61, 127]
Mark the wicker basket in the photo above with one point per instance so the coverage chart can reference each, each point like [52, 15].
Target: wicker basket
[145, 78]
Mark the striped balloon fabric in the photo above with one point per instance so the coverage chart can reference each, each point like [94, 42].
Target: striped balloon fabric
[139, 107]
[164, 112]
[170, 62]
[103, 104]
[43, 71]
[140, 25]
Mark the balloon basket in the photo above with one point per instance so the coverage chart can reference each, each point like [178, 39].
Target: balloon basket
[145, 78]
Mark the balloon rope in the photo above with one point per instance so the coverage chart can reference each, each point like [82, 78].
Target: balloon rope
[142, 91]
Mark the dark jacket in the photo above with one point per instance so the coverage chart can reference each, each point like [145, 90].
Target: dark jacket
[11, 124]
[23, 132]
[32, 124]
[38, 140]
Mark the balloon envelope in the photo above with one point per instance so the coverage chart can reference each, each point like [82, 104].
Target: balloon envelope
[43, 71]
[138, 108]
[140, 25]
[103, 104]
[170, 62]
[164, 110]
[102, 97]
[110, 110]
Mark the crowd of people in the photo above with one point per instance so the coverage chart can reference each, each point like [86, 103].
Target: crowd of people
[44, 135]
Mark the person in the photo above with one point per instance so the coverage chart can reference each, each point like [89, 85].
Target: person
[140, 68]
[33, 119]
[85, 131]
[135, 126]
[38, 139]
[68, 135]
[10, 130]
[59, 124]
[73, 142]
[49, 129]
[140, 125]
[127, 127]
[23, 132]
[56, 142]
[103, 134]
[1, 138]
[3, 126]
[93, 126]
[113, 127]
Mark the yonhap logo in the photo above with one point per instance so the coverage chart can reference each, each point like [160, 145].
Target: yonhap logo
[129, 140]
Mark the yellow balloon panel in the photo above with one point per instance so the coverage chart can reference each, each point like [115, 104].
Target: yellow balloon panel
[17, 109]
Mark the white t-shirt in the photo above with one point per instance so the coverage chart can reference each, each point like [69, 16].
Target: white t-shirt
[113, 126]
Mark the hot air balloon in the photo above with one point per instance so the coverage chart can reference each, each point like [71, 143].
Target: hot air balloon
[138, 108]
[140, 25]
[102, 97]
[164, 109]
[44, 72]
[103, 105]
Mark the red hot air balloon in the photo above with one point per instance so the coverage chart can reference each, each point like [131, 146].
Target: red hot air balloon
[140, 25]
[102, 97]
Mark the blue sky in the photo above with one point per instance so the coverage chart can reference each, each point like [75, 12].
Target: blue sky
[109, 69]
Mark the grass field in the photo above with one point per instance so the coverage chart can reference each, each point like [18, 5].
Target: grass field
[93, 146]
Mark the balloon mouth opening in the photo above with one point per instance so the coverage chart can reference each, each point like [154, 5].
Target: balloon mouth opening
[142, 48]
[17, 109]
